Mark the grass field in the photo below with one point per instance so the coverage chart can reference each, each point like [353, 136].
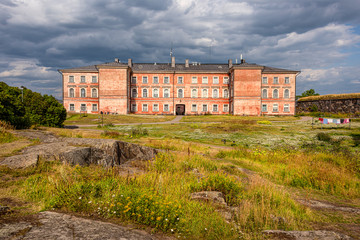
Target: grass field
[265, 165]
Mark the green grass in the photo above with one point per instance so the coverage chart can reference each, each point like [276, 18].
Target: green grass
[7, 137]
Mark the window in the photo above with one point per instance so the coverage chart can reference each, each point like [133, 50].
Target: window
[226, 93]
[180, 93]
[155, 93]
[166, 107]
[180, 80]
[215, 93]
[276, 80]
[286, 93]
[215, 108]
[144, 107]
[166, 80]
[133, 107]
[133, 80]
[264, 93]
[286, 108]
[226, 80]
[71, 79]
[166, 93]
[287, 80]
[83, 107]
[204, 93]
[71, 92]
[134, 93]
[144, 92]
[144, 79]
[275, 107]
[94, 93]
[276, 93]
[226, 108]
[83, 92]
[82, 79]
[94, 107]
[264, 80]
[155, 107]
[215, 80]
[194, 80]
[264, 108]
[204, 108]
[194, 108]
[205, 80]
[155, 79]
[72, 107]
[194, 93]
[94, 79]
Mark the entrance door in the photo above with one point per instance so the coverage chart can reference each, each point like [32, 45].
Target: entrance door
[180, 109]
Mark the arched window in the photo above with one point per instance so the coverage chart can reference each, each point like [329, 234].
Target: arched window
[134, 92]
[94, 92]
[194, 93]
[180, 93]
[83, 92]
[286, 93]
[215, 93]
[264, 93]
[166, 93]
[204, 93]
[144, 92]
[226, 93]
[276, 93]
[155, 93]
[71, 92]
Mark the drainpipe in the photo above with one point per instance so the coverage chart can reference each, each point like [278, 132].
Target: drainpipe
[174, 110]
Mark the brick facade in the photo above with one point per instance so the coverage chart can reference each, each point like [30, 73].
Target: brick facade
[189, 89]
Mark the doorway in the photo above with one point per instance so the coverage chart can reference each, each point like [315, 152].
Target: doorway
[180, 109]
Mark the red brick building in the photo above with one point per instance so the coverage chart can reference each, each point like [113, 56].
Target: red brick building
[151, 88]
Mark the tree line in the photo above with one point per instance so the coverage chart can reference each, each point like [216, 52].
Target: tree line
[24, 108]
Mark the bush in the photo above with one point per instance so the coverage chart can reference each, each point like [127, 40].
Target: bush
[325, 137]
[139, 132]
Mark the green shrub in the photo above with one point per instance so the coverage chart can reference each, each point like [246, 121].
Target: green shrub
[139, 132]
[325, 137]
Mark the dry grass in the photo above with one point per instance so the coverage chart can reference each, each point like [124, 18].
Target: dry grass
[330, 97]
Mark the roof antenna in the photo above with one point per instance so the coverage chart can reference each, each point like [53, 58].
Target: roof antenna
[171, 50]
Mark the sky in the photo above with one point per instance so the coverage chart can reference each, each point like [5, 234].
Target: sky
[321, 38]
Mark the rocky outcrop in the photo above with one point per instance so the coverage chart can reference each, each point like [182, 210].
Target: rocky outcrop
[305, 235]
[209, 196]
[52, 225]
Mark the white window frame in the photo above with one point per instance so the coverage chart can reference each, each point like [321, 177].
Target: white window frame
[134, 107]
[193, 107]
[83, 79]
[71, 93]
[286, 107]
[215, 108]
[92, 93]
[71, 79]
[81, 107]
[226, 108]
[217, 93]
[194, 80]
[182, 93]
[205, 80]
[166, 106]
[226, 93]
[145, 90]
[144, 79]
[287, 80]
[153, 93]
[204, 95]
[264, 108]
[94, 79]
[94, 107]
[194, 93]
[288, 93]
[215, 80]
[264, 80]
[264, 95]
[145, 107]
[166, 79]
[275, 95]
[180, 80]
[276, 80]
[168, 89]
[133, 79]
[275, 107]
[157, 79]
[134, 92]
[204, 108]
[71, 107]
[226, 80]
[81, 93]
[155, 107]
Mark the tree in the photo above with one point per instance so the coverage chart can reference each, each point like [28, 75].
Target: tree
[307, 93]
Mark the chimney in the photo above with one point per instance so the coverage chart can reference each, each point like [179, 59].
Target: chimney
[230, 63]
[129, 62]
[116, 60]
[173, 62]
[186, 63]
[242, 60]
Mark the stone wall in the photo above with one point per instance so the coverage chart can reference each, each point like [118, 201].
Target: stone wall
[333, 106]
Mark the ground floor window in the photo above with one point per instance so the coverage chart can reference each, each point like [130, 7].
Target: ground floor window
[83, 107]
[133, 107]
[166, 107]
[286, 108]
[72, 107]
[264, 108]
[275, 107]
[226, 108]
[193, 108]
[215, 108]
[204, 108]
[94, 107]
[155, 107]
[144, 107]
